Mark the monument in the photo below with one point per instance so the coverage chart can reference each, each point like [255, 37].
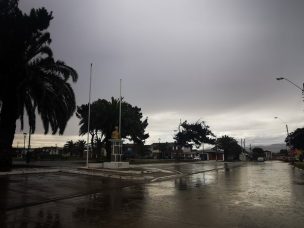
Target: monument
[116, 146]
[116, 152]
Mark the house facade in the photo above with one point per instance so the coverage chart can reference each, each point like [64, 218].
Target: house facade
[208, 155]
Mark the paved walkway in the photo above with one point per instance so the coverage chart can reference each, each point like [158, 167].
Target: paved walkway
[141, 172]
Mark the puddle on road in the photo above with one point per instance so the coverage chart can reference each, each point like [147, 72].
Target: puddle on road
[196, 180]
[169, 187]
[254, 188]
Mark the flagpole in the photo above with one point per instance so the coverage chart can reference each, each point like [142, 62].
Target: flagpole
[89, 118]
[120, 107]
[120, 113]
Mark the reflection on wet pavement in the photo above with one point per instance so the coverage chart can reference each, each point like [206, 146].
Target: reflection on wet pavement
[252, 195]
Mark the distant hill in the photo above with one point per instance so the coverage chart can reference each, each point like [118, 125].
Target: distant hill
[275, 148]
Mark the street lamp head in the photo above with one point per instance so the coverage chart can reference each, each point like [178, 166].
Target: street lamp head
[279, 78]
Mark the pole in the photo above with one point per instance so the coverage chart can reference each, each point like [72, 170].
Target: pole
[287, 130]
[287, 136]
[216, 150]
[244, 145]
[283, 123]
[120, 115]
[286, 79]
[120, 107]
[159, 146]
[294, 84]
[24, 137]
[29, 140]
[89, 118]
[28, 148]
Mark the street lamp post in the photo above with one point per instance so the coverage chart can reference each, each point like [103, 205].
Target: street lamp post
[29, 140]
[286, 79]
[28, 154]
[283, 123]
[119, 121]
[24, 137]
[302, 90]
[160, 154]
[216, 149]
[286, 128]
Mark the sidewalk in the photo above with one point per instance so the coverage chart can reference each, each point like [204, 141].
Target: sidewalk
[142, 173]
[132, 173]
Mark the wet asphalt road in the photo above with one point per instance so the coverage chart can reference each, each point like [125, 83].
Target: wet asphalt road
[269, 194]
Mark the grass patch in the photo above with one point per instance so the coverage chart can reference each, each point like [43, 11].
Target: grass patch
[299, 165]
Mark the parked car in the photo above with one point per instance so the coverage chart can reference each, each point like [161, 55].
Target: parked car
[260, 159]
[197, 158]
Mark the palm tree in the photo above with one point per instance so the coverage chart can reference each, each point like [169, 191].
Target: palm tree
[69, 148]
[34, 82]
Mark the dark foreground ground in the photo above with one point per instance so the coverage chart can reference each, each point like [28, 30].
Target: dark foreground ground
[269, 194]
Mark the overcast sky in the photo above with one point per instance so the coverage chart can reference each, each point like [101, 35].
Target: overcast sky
[210, 60]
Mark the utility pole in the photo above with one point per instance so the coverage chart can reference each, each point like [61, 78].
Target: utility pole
[159, 146]
[244, 145]
[216, 149]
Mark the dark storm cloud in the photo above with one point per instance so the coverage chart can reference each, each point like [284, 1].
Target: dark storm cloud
[186, 59]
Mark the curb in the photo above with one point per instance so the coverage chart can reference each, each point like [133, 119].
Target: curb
[188, 174]
[29, 172]
[183, 174]
[115, 176]
[108, 174]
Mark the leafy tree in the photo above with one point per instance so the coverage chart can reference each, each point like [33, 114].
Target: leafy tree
[80, 147]
[257, 152]
[69, 147]
[164, 149]
[230, 146]
[104, 118]
[296, 139]
[31, 80]
[194, 134]
[283, 152]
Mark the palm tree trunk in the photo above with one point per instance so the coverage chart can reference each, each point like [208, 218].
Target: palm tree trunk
[8, 117]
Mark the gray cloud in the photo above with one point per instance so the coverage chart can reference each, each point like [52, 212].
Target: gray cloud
[214, 60]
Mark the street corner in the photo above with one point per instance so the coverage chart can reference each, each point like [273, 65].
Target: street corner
[134, 173]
